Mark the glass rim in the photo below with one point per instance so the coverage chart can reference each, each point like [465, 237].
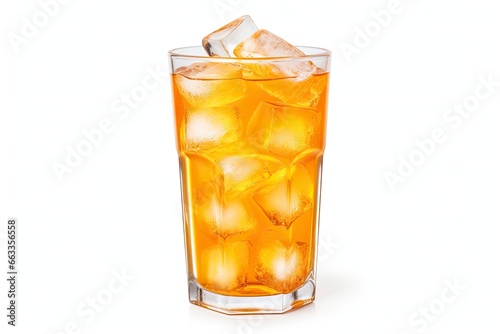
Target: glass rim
[181, 52]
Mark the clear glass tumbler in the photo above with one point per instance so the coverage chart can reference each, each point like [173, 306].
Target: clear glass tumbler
[250, 133]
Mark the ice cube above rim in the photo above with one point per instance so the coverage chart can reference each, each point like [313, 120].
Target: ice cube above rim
[222, 41]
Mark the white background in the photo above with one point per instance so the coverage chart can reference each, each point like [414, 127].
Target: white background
[385, 254]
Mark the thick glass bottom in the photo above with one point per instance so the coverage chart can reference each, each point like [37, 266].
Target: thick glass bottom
[278, 303]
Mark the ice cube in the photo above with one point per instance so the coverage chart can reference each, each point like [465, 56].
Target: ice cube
[211, 127]
[301, 82]
[289, 197]
[242, 173]
[295, 91]
[282, 130]
[210, 84]
[223, 41]
[224, 267]
[282, 265]
[265, 44]
[225, 219]
[210, 70]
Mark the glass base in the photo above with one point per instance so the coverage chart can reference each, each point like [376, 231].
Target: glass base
[272, 304]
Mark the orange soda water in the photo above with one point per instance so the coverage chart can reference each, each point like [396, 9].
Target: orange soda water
[250, 150]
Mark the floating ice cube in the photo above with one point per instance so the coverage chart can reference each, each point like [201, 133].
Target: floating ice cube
[265, 44]
[282, 130]
[226, 219]
[241, 173]
[289, 197]
[297, 92]
[282, 265]
[223, 41]
[301, 83]
[224, 267]
[210, 84]
[211, 127]
[210, 70]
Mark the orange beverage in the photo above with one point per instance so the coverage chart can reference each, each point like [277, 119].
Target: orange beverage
[250, 141]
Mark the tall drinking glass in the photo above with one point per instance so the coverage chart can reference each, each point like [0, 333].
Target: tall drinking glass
[250, 140]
